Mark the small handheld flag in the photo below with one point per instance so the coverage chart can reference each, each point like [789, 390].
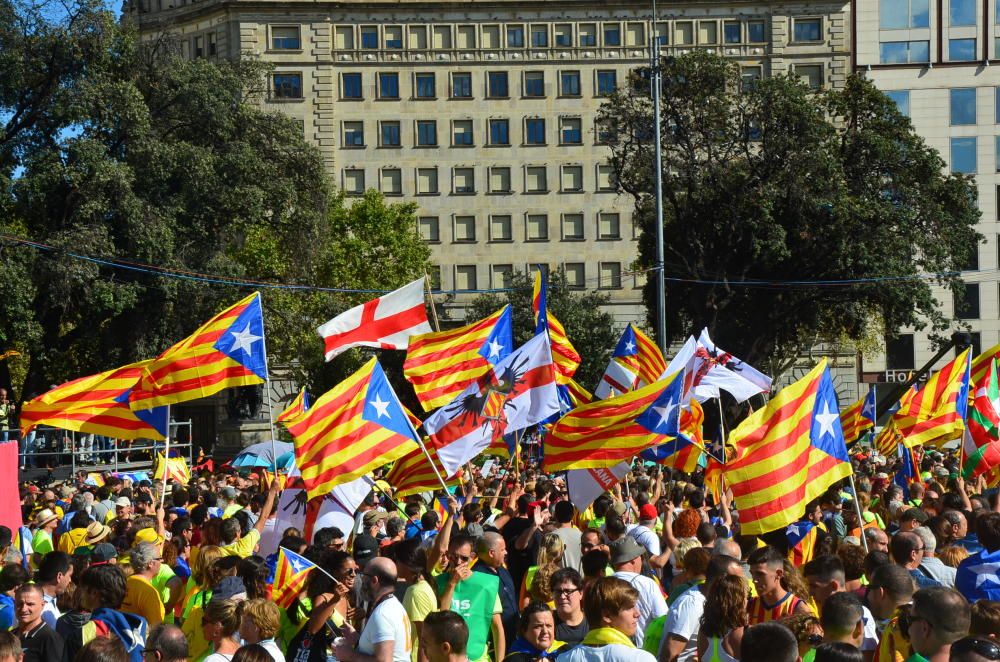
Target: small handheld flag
[290, 575]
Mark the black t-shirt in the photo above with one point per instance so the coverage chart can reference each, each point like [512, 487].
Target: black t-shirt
[519, 560]
[571, 634]
[42, 644]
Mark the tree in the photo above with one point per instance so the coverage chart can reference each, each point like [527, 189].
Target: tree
[591, 330]
[125, 160]
[771, 182]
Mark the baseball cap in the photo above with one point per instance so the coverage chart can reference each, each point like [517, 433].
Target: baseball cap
[618, 508]
[229, 492]
[624, 550]
[103, 553]
[149, 535]
[230, 588]
[647, 511]
[122, 502]
[365, 549]
[373, 517]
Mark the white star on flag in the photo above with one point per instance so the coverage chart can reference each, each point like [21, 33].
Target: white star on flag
[495, 348]
[664, 413]
[630, 347]
[244, 340]
[381, 407]
[826, 420]
[986, 572]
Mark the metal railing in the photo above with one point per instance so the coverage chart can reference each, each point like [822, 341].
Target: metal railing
[48, 448]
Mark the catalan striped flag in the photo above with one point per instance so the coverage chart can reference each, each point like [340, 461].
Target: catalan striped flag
[787, 453]
[576, 393]
[290, 575]
[889, 437]
[685, 451]
[440, 365]
[352, 429]
[565, 356]
[97, 404]
[606, 432]
[802, 537]
[635, 361]
[412, 473]
[173, 468]
[226, 351]
[297, 407]
[981, 364]
[936, 413]
[858, 418]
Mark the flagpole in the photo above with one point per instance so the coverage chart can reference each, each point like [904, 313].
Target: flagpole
[166, 462]
[857, 509]
[430, 297]
[267, 387]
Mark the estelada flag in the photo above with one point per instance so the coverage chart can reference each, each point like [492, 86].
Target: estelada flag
[290, 575]
[936, 413]
[172, 468]
[297, 407]
[565, 356]
[386, 322]
[226, 351]
[787, 453]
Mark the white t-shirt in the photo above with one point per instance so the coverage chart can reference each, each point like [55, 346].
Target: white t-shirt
[870, 639]
[273, 650]
[645, 537]
[684, 620]
[387, 623]
[607, 653]
[651, 603]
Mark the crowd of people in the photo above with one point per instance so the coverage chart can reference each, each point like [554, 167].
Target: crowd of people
[656, 569]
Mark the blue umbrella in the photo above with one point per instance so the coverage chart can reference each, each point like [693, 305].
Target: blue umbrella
[262, 455]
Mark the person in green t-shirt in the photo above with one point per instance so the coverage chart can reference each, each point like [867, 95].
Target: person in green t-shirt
[469, 594]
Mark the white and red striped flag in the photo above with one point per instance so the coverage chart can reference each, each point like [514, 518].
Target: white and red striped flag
[386, 322]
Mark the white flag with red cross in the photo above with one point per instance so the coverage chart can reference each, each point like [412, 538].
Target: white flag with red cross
[386, 322]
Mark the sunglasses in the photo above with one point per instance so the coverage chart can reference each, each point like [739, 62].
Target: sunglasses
[982, 647]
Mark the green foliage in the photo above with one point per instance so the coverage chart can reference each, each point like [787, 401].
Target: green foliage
[116, 149]
[773, 182]
[591, 330]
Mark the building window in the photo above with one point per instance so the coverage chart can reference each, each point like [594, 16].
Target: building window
[808, 29]
[811, 75]
[496, 85]
[500, 179]
[609, 226]
[572, 227]
[501, 275]
[996, 47]
[425, 86]
[465, 229]
[539, 36]
[899, 352]
[902, 100]
[354, 181]
[996, 112]
[499, 132]
[708, 32]
[461, 86]
[756, 33]
[962, 12]
[427, 181]
[434, 273]
[465, 277]
[967, 303]
[963, 155]
[612, 34]
[198, 46]
[534, 84]
[602, 133]
[501, 228]
[587, 34]
[607, 82]
[903, 14]
[961, 50]
[285, 38]
[534, 131]
[564, 35]
[973, 262]
[394, 37]
[430, 229]
[354, 134]
[963, 106]
[731, 32]
[388, 85]
[605, 178]
[441, 36]
[389, 134]
[350, 86]
[427, 133]
[569, 83]
[572, 178]
[536, 227]
[515, 36]
[464, 180]
[576, 275]
[535, 179]
[461, 133]
[904, 52]
[466, 36]
[212, 45]
[369, 37]
[570, 131]
[610, 275]
[750, 76]
[287, 86]
[392, 181]
[683, 33]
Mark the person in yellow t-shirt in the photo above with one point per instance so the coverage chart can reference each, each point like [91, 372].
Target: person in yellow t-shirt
[77, 534]
[141, 597]
[234, 543]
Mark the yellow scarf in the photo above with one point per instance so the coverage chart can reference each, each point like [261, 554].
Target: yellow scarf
[605, 636]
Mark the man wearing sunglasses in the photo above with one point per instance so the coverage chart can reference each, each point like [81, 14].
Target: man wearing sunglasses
[939, 617]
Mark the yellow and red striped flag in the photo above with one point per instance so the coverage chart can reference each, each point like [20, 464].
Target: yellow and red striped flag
[97, 404]
[787, 453]
[936, 413]
[607, 432]
[226, 351]
[174, 468]
[577, 394]
[441, 365]
[296, 408]
[564, 355]
[858, 418]
[352, 429]
[412, 473]
[981, 365]
[290, 575]
[889, 437]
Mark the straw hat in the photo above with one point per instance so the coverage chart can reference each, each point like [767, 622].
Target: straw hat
[44, 516]
[97, 532]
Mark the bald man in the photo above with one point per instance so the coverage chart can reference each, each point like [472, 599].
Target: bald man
[386, 635]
